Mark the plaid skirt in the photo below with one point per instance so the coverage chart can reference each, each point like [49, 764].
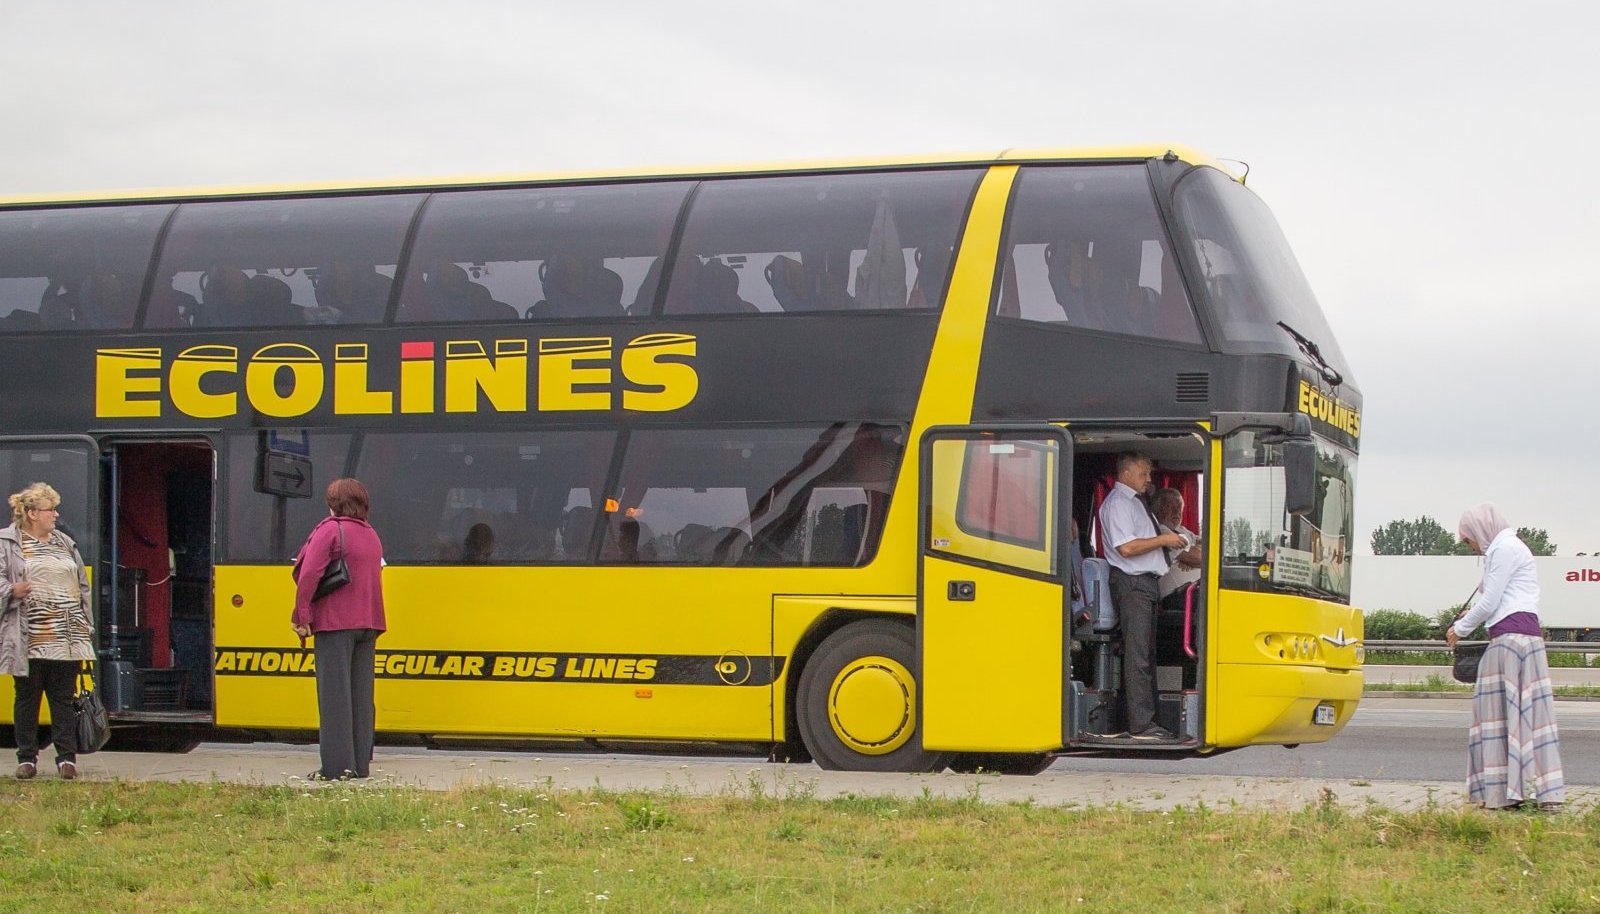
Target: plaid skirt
[1513, 752]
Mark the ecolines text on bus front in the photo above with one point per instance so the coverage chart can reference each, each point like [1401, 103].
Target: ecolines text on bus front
[287, 380]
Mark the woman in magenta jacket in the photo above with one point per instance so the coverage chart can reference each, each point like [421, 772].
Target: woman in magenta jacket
[346, 624]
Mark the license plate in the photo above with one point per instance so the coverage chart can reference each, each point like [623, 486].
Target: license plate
[1324, 715]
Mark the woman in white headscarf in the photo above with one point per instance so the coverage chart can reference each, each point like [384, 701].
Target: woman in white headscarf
[1513, 753]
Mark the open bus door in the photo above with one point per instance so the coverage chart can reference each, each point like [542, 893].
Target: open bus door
[992, 619]
[155, 603]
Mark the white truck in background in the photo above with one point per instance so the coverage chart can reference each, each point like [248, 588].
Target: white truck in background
[1569, 588]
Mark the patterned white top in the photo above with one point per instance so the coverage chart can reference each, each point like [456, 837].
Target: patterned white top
[53, 620]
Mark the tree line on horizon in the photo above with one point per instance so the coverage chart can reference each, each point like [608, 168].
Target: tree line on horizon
[1426, 536]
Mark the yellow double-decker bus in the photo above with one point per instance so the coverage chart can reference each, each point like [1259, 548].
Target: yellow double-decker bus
[801, 458]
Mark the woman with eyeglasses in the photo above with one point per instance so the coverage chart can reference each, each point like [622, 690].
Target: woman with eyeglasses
[45, 629]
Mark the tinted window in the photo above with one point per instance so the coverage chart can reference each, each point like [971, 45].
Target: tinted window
[567, 252]
[271, 528]
[825, 243]
[1004, 493]
[1249, 275]
[269, 263]
[65, 469]
[791, 496]
[75, 269]
[490, 498]
[1084, 248]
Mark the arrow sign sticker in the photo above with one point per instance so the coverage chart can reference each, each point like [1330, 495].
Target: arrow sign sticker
[284, 474]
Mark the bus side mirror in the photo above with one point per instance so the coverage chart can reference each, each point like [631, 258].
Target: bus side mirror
[1300, 469]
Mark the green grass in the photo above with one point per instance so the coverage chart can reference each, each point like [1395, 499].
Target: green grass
[167, 847]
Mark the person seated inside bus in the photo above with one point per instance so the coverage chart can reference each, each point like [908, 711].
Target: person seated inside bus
[270, 303]
[224, 297]
[1167, 506]
[453, 296]
[717, 290]
[108, 301]
[478, 546]
[577, 526]
[578, 287]
[96, 300]
[634, 543]
[169, 308]
[348, 293]
[58, 306]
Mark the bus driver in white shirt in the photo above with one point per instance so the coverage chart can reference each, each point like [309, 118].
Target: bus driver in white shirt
[1135, 549]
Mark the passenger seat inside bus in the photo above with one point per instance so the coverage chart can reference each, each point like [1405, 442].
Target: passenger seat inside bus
[933, 265]
[1064, 268]
[787, 277]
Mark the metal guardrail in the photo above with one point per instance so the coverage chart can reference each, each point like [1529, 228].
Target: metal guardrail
[1554, 647]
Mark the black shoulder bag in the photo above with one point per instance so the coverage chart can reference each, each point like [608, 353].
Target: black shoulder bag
[335, 576]
[1466, 655]
[94, 724]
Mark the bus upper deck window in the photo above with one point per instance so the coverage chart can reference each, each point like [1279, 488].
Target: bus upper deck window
[790, 243]
[75, 269]
[1084, 248]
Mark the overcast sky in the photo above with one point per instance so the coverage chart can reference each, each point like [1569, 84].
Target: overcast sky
[1429, 161]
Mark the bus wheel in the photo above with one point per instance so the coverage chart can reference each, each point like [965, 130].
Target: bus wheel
[1023, 763]
[857, 701]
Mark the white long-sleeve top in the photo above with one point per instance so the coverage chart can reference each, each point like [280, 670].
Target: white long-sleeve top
[1510, 584]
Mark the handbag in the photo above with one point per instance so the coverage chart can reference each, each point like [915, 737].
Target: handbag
[1466, 655]
[335, 576]
[1464, 668]
[93, 723]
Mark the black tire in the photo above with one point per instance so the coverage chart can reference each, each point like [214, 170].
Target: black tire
[891, 740]
[1019, 763]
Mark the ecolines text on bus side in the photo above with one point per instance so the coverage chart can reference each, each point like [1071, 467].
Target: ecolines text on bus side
[1330, 410]
[651, 373]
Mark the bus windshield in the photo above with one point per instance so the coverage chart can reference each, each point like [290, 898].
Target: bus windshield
[1251, 279]
[1264, 547]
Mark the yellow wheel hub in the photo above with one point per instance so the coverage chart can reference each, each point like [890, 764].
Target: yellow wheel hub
[872, 705]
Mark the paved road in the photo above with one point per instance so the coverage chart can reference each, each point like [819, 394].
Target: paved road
[1390, 739]
[1402, 753]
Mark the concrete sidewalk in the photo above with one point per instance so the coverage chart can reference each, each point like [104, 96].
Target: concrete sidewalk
[277, 764]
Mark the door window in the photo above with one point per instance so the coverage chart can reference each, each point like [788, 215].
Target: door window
[66, 468]
[994, 500]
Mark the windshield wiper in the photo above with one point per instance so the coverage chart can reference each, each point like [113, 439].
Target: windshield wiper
[1313, 353]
